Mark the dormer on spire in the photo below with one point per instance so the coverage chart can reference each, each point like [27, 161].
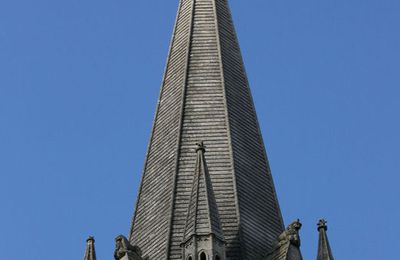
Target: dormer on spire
[203, 236]
[90, 253]
[324, 249]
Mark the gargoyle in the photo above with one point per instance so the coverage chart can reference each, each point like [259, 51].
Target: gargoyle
[290, 235]
[124, 250]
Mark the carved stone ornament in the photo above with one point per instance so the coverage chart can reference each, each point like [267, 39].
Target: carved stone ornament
[124, 250]
[322, 224]
[290, 235]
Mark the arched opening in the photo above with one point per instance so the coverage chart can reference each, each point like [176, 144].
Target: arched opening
[203, 256]
[189, 258]
[217, 257]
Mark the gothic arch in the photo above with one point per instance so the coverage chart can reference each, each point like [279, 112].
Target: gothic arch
[203, 256]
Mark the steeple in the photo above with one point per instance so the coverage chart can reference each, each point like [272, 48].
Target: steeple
[324, 249]
[90, 253]
[203, 233]
[205, 96]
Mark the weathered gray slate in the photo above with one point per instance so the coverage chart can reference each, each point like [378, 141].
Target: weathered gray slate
[205, 96]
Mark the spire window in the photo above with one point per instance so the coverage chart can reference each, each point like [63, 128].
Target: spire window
[203, 256]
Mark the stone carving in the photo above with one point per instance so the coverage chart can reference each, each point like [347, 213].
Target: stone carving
[124, 250]
[200, 146]
[322, 224]
[290, 235]
[287, 245]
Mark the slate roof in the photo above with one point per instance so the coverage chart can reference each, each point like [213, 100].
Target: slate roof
[324, 249]
[205, 96]
[280, 253]
[286, 252]
[90, 253]
[202, 217]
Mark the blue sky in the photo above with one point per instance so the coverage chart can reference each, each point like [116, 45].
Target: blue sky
[79, 82]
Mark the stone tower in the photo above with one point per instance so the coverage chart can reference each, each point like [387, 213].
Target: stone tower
[205, 96]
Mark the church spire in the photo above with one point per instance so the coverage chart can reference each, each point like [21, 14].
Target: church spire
[324, 249]
[205, 96]
[90, 253]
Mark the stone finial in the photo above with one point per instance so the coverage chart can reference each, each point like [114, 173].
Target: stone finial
[90, 252]
[324, 249]
[200, 147]
[322, 224]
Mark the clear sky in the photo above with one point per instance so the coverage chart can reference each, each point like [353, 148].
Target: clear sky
[79, 81]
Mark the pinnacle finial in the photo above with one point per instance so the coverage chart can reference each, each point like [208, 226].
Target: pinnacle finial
[200, 147]
[322, 224]
[324, 249]
[90, 253]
